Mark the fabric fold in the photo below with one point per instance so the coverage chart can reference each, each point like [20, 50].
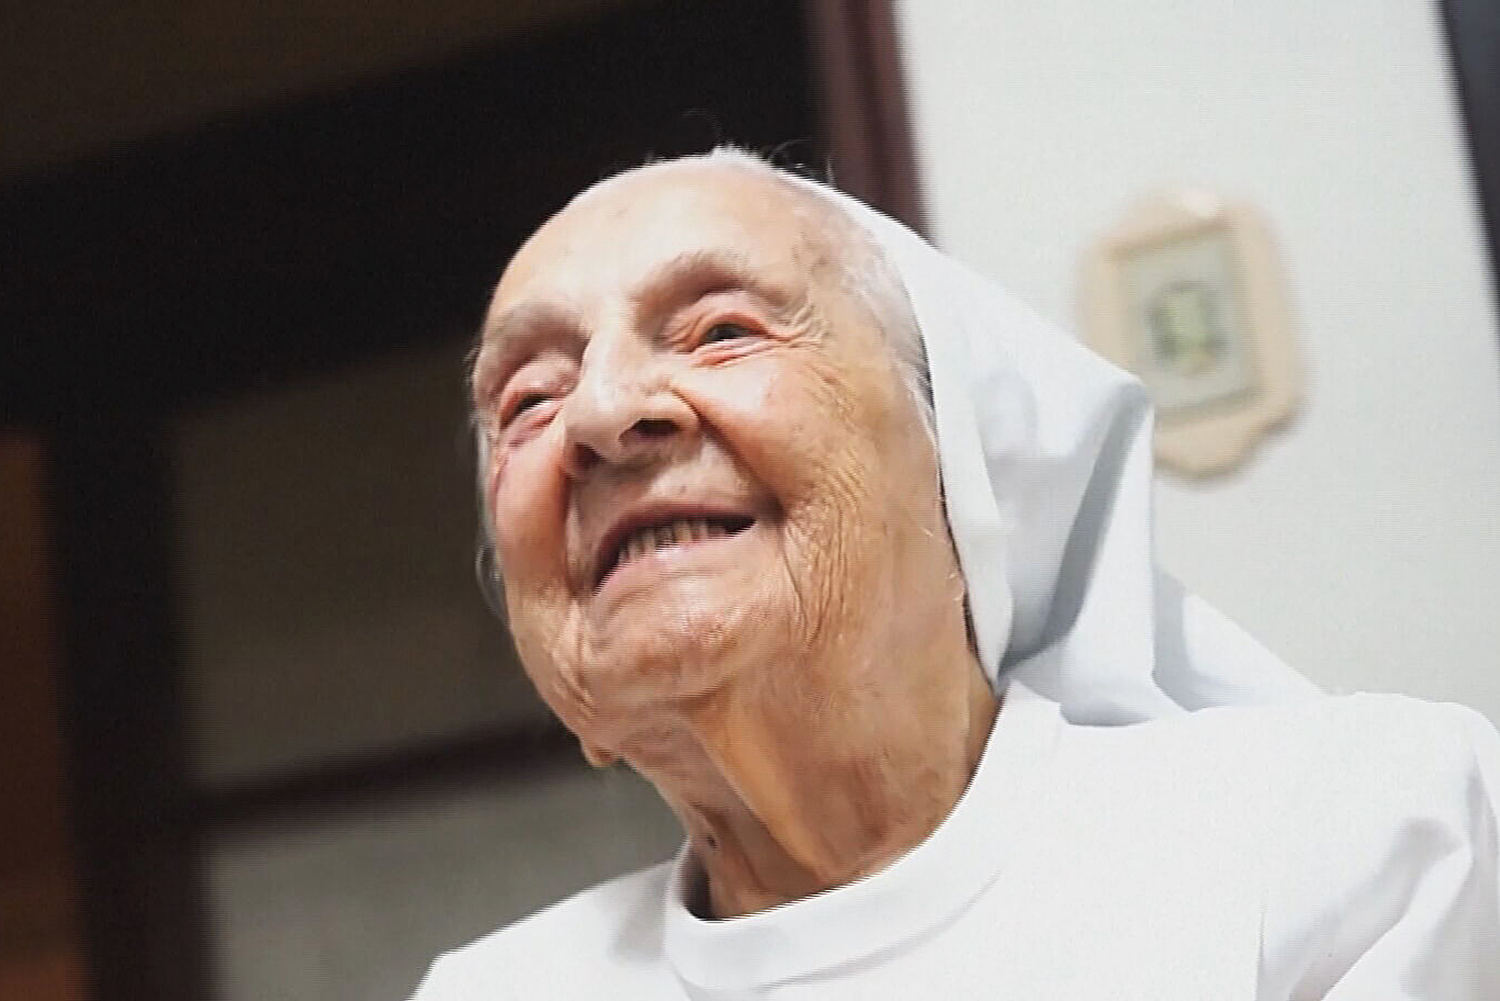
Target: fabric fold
[1045, 452]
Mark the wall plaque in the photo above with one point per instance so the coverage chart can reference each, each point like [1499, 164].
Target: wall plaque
[1186, 292]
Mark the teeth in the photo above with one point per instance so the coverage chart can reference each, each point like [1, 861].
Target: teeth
[645, 540]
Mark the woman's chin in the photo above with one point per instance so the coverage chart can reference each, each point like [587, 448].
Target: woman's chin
[686, 636]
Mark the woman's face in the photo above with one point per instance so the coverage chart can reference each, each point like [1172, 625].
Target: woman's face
[703, 471]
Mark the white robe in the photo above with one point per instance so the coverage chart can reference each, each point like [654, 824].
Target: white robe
[1341, 848]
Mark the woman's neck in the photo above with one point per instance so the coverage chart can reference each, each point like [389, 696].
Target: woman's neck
[784, 801]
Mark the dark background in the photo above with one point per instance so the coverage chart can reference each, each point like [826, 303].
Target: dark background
[274, 226]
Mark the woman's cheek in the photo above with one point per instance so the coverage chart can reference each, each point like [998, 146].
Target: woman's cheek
[530, 508]
[772, 416]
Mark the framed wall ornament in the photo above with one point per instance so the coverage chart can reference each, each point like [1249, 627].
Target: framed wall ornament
[1187, 293]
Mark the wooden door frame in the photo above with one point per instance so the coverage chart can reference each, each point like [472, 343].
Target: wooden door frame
[866, 121]
[1473, 33]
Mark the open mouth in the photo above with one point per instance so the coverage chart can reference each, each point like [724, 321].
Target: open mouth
[643, 539]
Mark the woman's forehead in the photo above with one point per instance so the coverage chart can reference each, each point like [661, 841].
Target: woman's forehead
[629, 233]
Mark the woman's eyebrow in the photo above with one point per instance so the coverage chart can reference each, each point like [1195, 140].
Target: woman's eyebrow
[520, 331]
[528, 319]
[691, 275]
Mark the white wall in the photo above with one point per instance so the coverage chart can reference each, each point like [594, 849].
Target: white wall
[1363, 543]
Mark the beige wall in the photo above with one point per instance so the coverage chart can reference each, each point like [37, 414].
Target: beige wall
[328, 610]
[328, 601]
[1364, 543]
[352, 904]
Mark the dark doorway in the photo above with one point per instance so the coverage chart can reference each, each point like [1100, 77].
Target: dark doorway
[153, 296]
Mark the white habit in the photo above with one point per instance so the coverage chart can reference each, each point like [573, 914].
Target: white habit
[1177, 814]
[1341, 848]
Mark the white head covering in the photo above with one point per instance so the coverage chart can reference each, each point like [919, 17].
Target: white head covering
[1045, 451]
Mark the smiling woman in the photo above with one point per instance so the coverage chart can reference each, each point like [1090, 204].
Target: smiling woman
[877, 650]
[699, 460]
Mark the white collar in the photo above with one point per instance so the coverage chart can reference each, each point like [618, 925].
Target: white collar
[881, 912]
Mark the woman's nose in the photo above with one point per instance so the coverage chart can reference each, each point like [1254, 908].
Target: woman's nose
[624, 415]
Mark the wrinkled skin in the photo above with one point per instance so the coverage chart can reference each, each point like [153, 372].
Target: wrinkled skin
[802, 693]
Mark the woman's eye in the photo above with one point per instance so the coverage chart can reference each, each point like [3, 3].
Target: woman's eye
[528, 401]
[720, 332]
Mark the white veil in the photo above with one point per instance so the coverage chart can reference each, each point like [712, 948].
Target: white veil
[1045, 451]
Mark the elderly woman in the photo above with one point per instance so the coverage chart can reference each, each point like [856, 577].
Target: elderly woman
[850, 557]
